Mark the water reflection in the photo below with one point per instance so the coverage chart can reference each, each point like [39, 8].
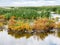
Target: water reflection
[28, 35]
[19, 34]
[58, 33]
[12, 38]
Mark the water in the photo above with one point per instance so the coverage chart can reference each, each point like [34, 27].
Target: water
[10, 38]
[55, 15]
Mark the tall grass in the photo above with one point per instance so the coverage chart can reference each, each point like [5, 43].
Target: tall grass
[29, 12]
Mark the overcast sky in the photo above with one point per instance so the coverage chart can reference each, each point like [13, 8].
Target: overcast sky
[29, 2]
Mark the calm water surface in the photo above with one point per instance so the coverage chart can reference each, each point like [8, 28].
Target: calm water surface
[13, 38]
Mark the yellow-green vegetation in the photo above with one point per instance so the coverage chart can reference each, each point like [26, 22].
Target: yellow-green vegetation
[1, 24]
[38, 25]
[20, 18]
[19, 25]
[57, 25]
[44, 24]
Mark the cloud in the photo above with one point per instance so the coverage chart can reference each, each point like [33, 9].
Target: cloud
[30, 3]
[34, 3]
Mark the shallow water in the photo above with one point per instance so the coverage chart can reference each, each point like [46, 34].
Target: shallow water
[12, 38]
[55, 15]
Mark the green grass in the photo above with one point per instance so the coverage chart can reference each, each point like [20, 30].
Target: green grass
[29, 12]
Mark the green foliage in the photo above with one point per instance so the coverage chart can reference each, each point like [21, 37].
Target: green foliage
[29, 12]
[23, 13]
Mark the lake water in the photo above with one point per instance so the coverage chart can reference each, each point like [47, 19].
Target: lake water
[13, 38]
